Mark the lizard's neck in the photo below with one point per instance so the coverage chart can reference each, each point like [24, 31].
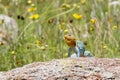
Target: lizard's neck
[72, 46]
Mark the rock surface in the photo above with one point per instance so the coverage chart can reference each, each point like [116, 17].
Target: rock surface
[8, 29]
[67, 69]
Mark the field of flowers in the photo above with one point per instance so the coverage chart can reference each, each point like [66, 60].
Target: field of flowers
[43, 24]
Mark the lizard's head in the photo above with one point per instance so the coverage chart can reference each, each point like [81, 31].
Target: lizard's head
[70, 40]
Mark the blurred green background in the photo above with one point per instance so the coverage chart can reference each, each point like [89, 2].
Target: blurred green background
[43, 24]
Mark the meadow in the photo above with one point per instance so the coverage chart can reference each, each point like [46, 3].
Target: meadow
[43, 24]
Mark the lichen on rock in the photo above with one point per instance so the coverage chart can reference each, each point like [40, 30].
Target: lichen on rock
[67, 69]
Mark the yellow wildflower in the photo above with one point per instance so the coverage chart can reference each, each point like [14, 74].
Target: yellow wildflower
[51, 20]
[104, 46]
[77, 16]
[115, 27]
[38, 42]
[76, 6]
[32, 9]
[110, 20]
[13, 52]
[65, 6]
[91, 29]
[29, 1]
[61, 26]
[33, 5]
[66, 30]
[83, 1]
[66, 54]
[93, 21]
[34, 17]
[42, 47]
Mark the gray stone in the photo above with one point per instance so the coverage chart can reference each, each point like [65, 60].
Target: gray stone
[66, 69]
[8, 29]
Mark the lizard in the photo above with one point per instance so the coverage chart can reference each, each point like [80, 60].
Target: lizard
[76, 46]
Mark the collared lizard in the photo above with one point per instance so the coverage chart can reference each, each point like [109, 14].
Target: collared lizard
[76, 46]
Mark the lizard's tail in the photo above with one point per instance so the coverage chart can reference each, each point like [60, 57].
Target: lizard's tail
[88, 54]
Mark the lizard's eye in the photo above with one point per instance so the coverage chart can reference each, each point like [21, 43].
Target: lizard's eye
[69, 35]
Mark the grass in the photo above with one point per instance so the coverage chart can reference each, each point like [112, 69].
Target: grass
[41, 39]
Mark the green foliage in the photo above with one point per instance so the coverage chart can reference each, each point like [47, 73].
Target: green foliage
[41, 35]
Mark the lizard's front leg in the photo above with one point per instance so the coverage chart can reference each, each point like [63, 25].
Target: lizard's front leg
[77, 51]
[69, 52]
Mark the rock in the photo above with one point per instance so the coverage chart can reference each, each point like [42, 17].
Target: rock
[8, 29]
[67, 69]
[108, 75]
[97, 69]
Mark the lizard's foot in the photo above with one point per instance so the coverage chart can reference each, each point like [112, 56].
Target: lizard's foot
[74, 55]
